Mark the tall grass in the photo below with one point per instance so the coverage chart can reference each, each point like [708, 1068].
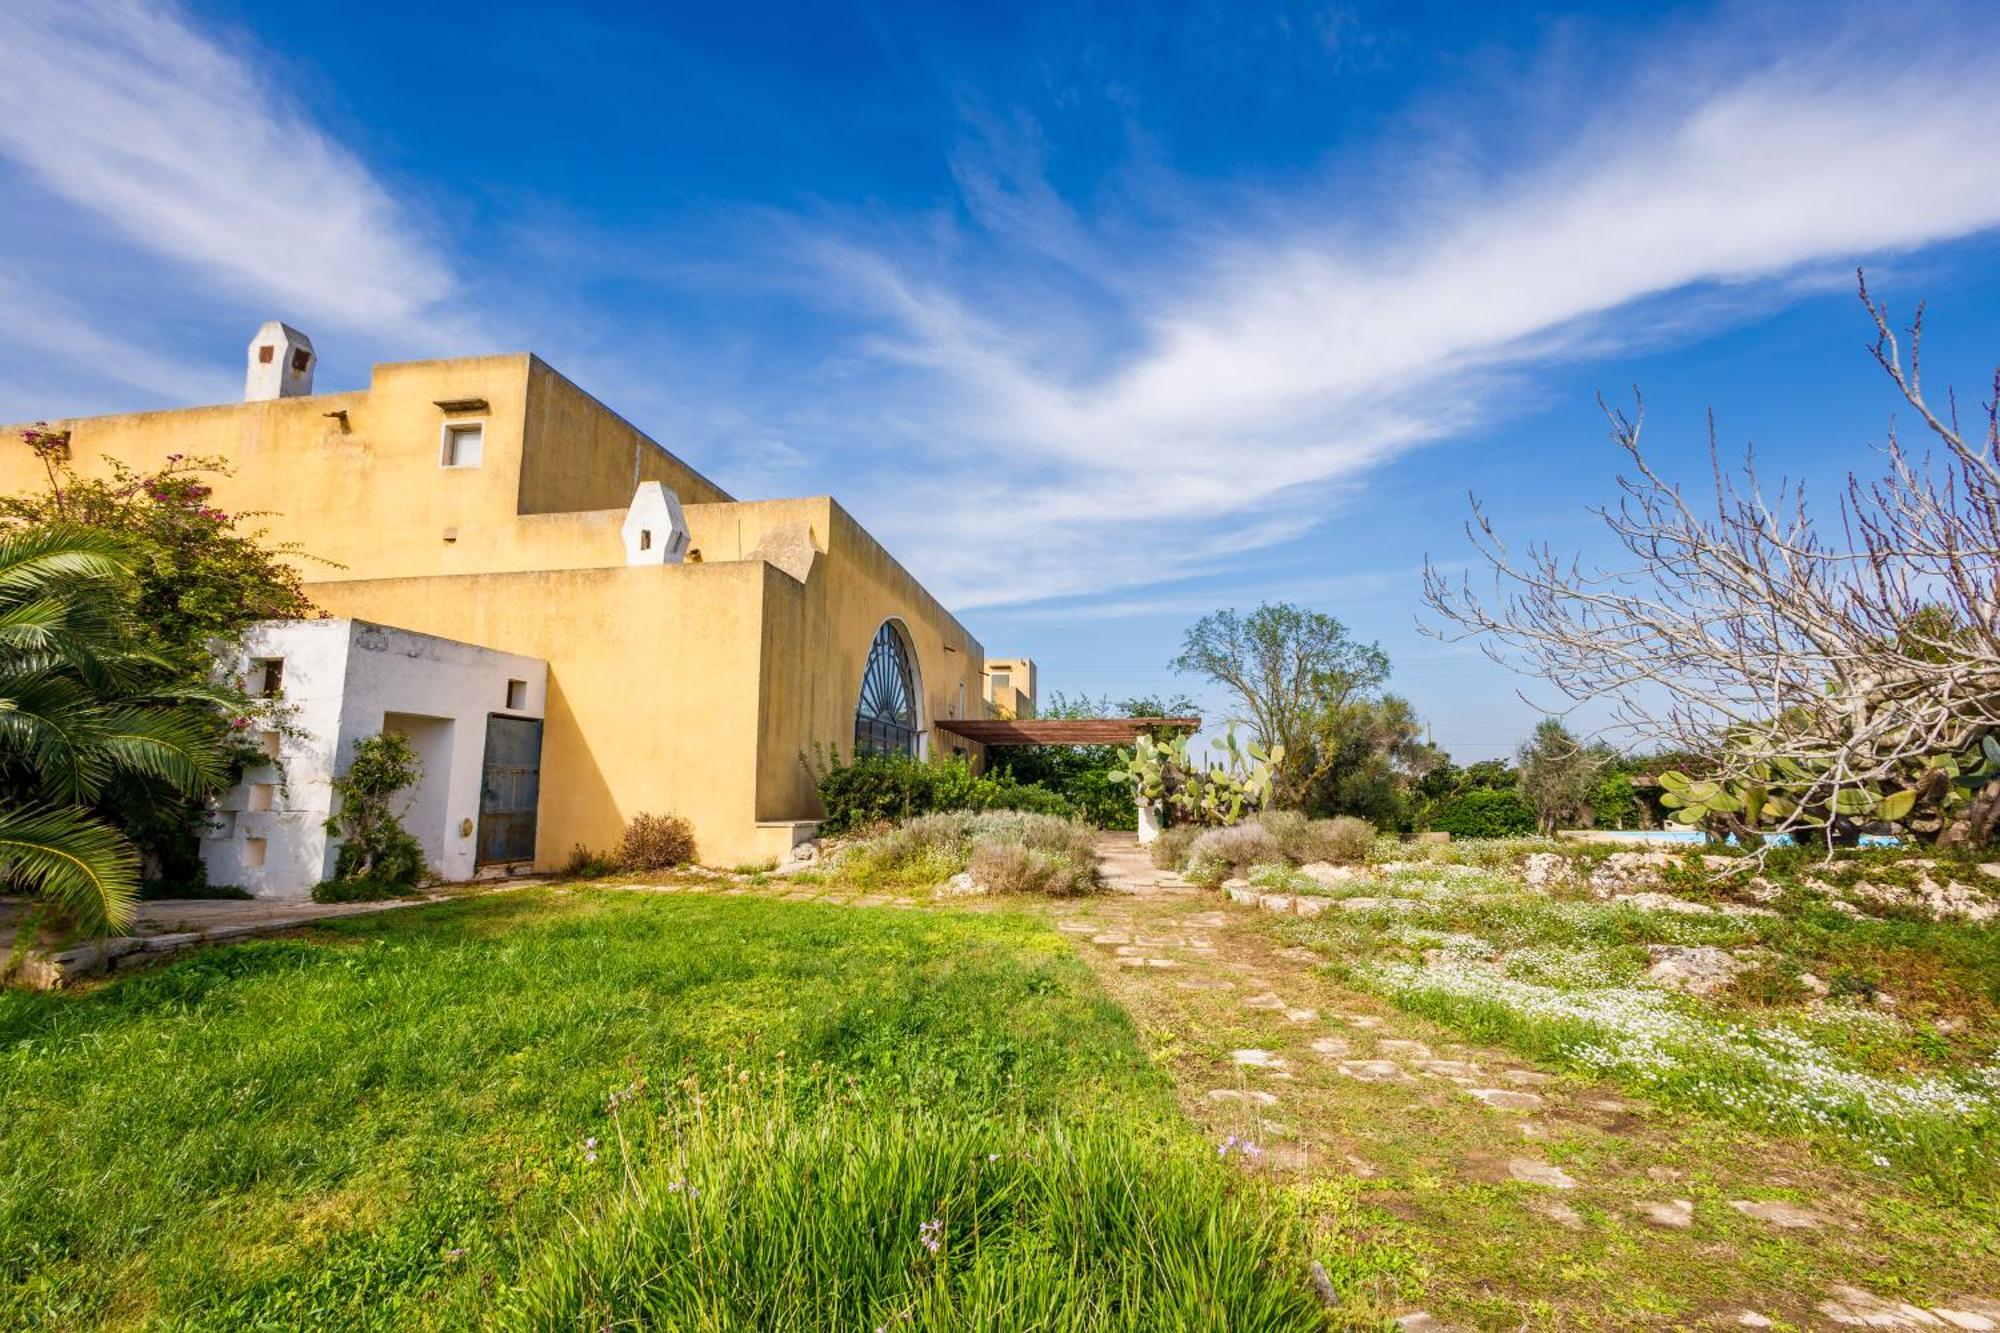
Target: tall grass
[739, 1210]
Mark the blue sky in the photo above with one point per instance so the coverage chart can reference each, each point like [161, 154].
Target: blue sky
[1101, 316]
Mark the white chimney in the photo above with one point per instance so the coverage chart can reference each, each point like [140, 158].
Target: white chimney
[281, 364]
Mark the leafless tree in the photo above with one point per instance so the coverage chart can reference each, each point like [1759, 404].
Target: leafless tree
[1859, 652]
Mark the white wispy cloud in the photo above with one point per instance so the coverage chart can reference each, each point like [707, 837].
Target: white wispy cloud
[168, 142]
[1271, 365]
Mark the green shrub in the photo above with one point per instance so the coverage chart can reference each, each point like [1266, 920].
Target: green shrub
[359, 890]
[1343, 840]
[1170, 850]
[1486, 812]
[374, 845]
[746, 1213]
[586, 864]
[877, 788]
[656, 842]
[1614, 802]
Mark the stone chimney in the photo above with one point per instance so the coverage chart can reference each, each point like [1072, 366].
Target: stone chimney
[281, 364]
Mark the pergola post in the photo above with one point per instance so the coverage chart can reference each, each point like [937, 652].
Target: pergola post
[1149, 819]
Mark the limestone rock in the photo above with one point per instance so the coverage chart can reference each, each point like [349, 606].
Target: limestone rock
[1530, 1172]
[962, 884]
[1258, 1059]
[1700, 969]
[1674, 1214]
[1506, 1099]
[1560, 1213]
[1374, 1071]
[1325, 872]
[1778, 1213]
[1863, 1309]
[1244, 1096]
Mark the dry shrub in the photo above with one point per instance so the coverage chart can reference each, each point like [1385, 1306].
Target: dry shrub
[1006, 851]
[656, 842]
[1012, 867]
[1224, 853]
[1023, 853]
[1343, 841]
[1170, 850]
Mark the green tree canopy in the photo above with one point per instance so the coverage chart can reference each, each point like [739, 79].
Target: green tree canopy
[1305, 683]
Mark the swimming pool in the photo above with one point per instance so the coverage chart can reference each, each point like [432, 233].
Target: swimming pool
[1688, 835]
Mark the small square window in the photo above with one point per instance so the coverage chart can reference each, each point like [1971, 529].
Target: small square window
[645, 539]
[1001, 680]
[264, 354]
[253, 852]
[262, 794]
[517, 695]
[267, 744]
[464, 443]
[301, 358]
[267, 676]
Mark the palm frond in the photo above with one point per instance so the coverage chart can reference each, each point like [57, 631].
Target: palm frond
[55, 727]
[73, 861]
[34, 559]
[178, 746]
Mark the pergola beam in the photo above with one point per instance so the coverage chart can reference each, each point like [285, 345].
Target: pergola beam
[1064, 731]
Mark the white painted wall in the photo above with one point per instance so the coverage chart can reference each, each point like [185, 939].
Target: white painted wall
[343, 679]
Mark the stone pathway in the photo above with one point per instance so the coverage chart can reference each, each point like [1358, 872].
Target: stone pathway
[1325, 1081]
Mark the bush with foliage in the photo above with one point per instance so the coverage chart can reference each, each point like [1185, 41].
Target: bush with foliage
[1169, 851]
[1005, 851]
[874, 788]
[586, 864]
[1485, 812]
[198, 576]
[1225, 853]
[1614, 803]
[1342, 840]
[656, 842]
[374, 845]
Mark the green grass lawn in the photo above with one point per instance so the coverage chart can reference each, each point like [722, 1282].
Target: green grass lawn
[586, 1108]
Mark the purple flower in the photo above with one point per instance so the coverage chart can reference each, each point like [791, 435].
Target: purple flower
[931, 1235]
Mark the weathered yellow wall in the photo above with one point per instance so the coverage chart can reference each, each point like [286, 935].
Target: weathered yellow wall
[817, 640]
[368, 500]
[582, 455]
[1016, 698]
[653, 675]
[693, 689]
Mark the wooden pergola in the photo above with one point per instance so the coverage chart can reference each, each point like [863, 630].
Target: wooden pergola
[1063, 730]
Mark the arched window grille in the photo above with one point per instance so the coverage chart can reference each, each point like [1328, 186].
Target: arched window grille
[885, 720]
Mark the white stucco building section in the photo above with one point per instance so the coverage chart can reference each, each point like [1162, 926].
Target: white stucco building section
[337, 681]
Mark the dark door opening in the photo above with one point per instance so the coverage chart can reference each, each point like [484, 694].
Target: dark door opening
[510, 789]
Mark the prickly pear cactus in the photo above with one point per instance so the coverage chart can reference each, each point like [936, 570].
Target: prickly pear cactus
[1191, 792]
[1779, 791]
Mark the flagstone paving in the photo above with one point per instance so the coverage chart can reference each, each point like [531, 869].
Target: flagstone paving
[1534, 1200]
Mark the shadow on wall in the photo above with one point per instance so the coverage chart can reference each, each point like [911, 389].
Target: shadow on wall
[574, 793]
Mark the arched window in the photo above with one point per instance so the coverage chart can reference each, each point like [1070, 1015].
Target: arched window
[885, 719]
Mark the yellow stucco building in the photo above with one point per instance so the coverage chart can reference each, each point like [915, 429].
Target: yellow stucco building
[697, 646]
